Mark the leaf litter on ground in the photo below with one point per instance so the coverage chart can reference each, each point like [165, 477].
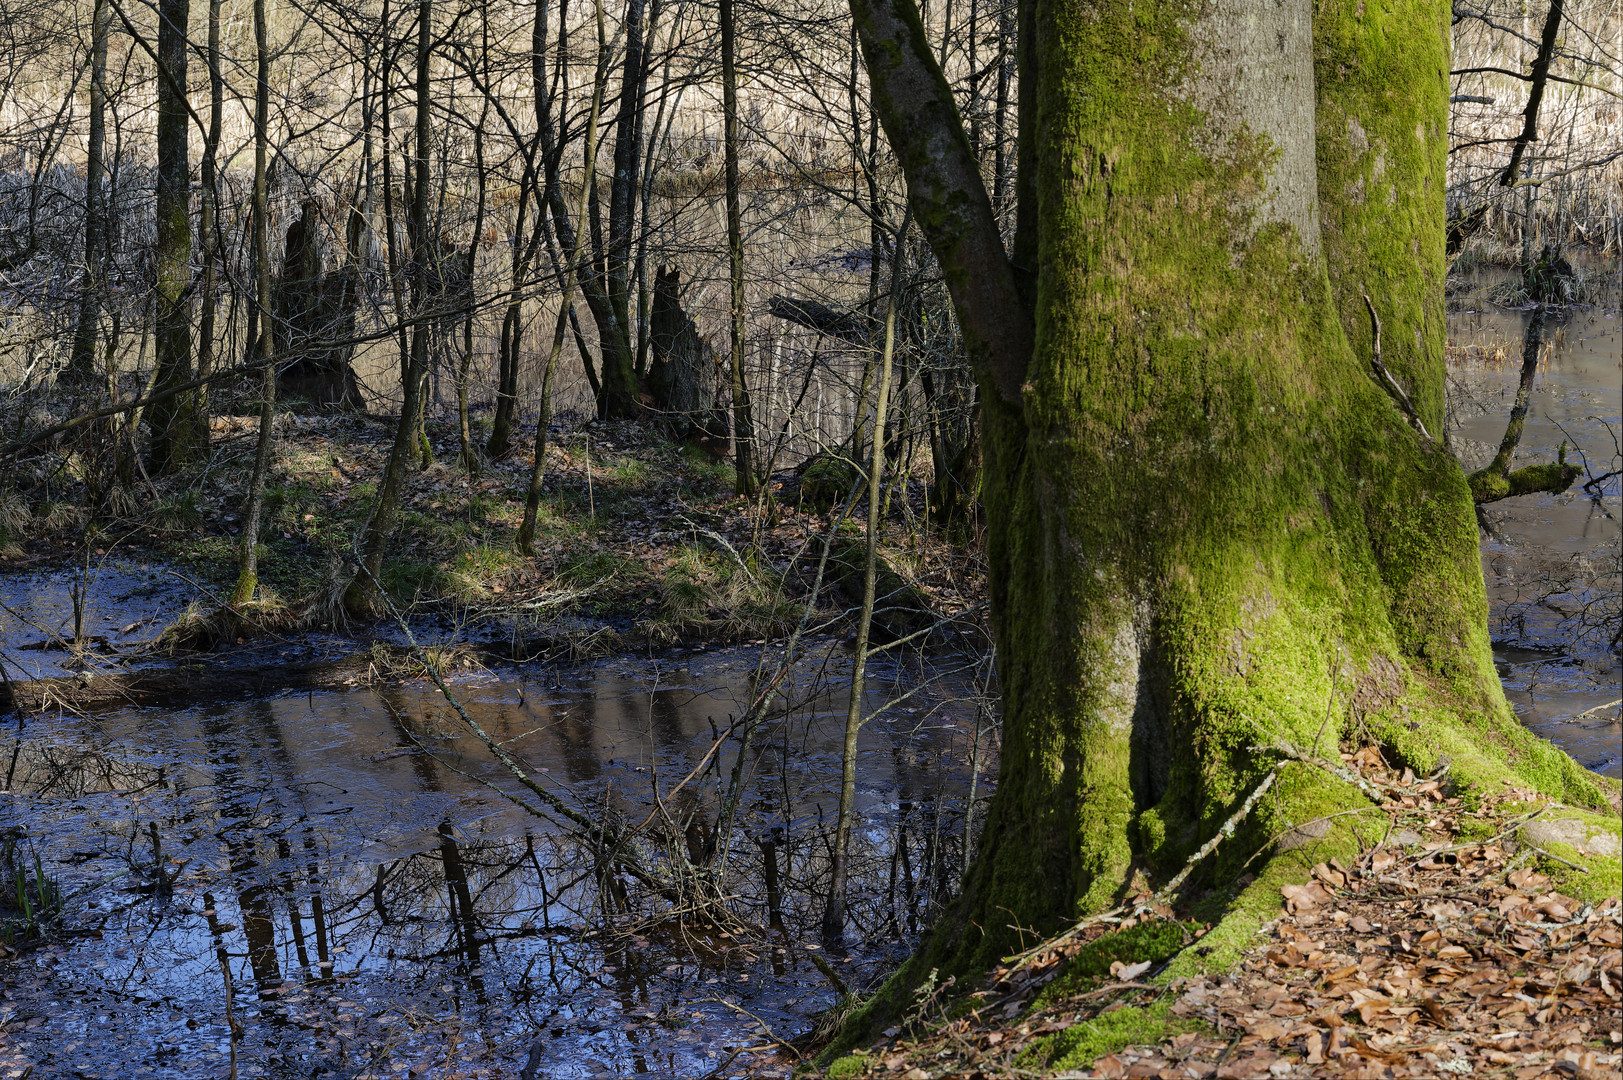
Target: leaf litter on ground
[1431, 956]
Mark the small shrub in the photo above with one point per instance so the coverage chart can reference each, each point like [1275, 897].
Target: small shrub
[177, 513]
[14, 514]
[63, 516]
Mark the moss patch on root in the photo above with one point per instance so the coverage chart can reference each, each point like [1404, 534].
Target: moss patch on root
[1079, 1045]
[1152, 942]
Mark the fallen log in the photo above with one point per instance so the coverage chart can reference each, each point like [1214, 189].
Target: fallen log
[201, 678]
[819, 316]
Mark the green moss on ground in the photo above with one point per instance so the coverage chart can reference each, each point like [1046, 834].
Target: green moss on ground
[1079, 1045]
[846, 1066]
[1152, 941]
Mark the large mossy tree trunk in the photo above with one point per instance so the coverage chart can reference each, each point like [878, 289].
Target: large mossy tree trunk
[1209, 527]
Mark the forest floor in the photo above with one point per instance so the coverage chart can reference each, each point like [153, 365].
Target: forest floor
[1443, 951]
[640, 542]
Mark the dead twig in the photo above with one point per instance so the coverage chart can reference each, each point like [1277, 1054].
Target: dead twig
[1387, 381]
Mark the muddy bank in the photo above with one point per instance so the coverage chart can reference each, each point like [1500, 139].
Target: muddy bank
[194, 680]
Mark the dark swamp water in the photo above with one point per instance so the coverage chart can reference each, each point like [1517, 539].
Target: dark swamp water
[383, 912]
[1554, 564]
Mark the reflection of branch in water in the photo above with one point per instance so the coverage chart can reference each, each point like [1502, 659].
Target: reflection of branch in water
[1496, 481]
[1593, 484]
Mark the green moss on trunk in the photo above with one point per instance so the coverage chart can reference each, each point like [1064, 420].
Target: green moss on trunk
[1381, 73]
[1210, 530]
[178, 423]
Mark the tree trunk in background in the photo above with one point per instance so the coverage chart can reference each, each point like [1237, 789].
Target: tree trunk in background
[512, 332]
[178, 426]
[743, 422]
[615, 383]
[364, 595]
[82, 365]
[470, 453]
[315, 315]
[627, 159]
[1205, 517]
[650, 144]
[524, 541]
[208, 218]
[264, 345]
[682, 373]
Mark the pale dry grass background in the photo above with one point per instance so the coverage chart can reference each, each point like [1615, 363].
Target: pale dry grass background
[802, 173]
[806, 200]
[1581, 202]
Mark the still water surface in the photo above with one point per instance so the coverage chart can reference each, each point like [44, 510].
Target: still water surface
[1553, 567]
[382, 910]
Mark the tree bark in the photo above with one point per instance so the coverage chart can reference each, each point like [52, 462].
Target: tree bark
[1204, 516]
[743, 421]
[179, 429]
[627, 159]
[1495, 480]
[82, 364]
[524, 540]
[1535, 95]
[615, 383]
[264, 346]
[208, 218]
[364, 595]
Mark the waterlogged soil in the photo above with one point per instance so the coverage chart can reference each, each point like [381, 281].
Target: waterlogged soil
[383, 910]
[1554, 564]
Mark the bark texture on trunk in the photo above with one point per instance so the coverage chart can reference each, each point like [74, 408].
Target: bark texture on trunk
[1211, 533]
[82, 365]
[179, 428]
[743, 418]
[1382, 160]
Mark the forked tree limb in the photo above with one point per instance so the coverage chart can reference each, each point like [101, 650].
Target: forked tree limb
[1496, 480]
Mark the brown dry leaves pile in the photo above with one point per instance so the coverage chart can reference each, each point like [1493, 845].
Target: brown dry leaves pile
[1430, 957]
[1457, 976]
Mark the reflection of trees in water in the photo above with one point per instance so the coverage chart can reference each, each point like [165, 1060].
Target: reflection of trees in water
[772, 870]
[47, 760]
[478, 920]
[1545, 600]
